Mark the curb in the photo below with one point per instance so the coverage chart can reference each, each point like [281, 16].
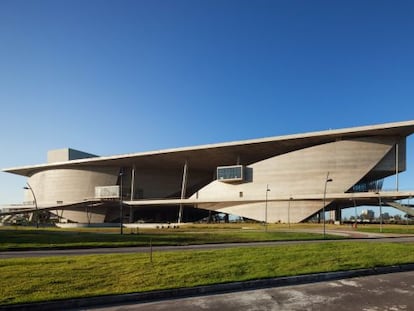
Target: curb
[204, 290]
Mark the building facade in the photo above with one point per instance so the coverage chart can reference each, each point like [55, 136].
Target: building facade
[278, 179]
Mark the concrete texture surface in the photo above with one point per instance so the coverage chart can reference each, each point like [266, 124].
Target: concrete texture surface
[385, 292]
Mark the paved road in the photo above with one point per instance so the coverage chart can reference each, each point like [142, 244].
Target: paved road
[122, 250]
[386, 292]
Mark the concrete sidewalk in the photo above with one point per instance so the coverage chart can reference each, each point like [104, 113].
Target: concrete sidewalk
[385, 292]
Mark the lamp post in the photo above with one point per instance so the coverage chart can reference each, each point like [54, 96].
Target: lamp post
[324, 202]
[356, 213]
[380, 208]
[290, 200]
[267, 191]
[35, 203]
[121, 214]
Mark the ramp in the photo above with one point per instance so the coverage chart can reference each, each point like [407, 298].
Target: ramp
[404, 208]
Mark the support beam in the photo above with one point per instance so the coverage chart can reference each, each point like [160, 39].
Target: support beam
[406, 209]
[183, 191]
[396, 167]
[131, 215]
[132, 182]
[88, 214]
[338, 214]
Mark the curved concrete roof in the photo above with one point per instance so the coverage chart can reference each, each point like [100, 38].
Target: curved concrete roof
[208, 157]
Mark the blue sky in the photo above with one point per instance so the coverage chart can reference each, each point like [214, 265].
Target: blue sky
[113, 77]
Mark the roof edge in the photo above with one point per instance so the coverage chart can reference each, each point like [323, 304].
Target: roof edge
[330, 132]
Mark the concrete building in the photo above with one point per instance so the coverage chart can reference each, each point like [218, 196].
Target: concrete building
[368, 214]
[278, 179]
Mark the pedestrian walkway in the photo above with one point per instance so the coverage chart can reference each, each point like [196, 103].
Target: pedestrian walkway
[376, 292]
[354, 234]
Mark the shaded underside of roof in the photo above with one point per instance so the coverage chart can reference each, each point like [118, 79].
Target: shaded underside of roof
[208, 157]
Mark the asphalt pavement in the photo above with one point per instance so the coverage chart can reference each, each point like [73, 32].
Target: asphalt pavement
[140, 249]
[384, 292]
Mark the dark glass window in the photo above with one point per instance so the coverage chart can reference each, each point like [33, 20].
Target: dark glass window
[374, 185]
[230, 173]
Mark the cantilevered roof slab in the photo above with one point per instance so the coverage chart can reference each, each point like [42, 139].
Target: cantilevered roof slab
[208, 157]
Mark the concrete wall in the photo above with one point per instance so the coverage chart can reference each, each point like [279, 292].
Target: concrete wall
[70, 185]
[299, 172]
[67, 154]
[83, 214]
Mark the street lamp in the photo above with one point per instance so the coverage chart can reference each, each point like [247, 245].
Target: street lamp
[356, 213]
[121, 212]
[324, 200]
[267, 191]
[380, 208]
[35, 203]
[290, 200]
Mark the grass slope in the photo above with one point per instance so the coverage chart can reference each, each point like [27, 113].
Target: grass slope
[44, 239]
[41, 279]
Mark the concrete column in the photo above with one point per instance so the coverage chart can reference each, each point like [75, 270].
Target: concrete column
[183, 191]
[338, 214]
[131, 214]
[396, 167]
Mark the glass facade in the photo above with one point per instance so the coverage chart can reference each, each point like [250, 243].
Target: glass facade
[375, 185]
[230, 173]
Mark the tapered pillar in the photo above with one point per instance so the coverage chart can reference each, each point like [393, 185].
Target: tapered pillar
[131, 215]
[183, 191]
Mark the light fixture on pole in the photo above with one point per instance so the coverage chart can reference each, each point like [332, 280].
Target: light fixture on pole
[290, 200]
[121, 212]
[267, 191]
[28, 187]
[380, 208]
[324, 203]
[356, 213]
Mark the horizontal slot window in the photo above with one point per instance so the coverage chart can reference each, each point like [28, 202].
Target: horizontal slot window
[230, 173]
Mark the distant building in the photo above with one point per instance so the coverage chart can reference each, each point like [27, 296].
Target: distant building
[386, 216]
[277, 179]
[368, 215]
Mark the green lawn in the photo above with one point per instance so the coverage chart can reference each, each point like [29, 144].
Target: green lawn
[51, 278]
[11, 239]
[387, 228]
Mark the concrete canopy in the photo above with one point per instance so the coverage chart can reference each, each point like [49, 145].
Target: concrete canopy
[247, 151]
[296, 167]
